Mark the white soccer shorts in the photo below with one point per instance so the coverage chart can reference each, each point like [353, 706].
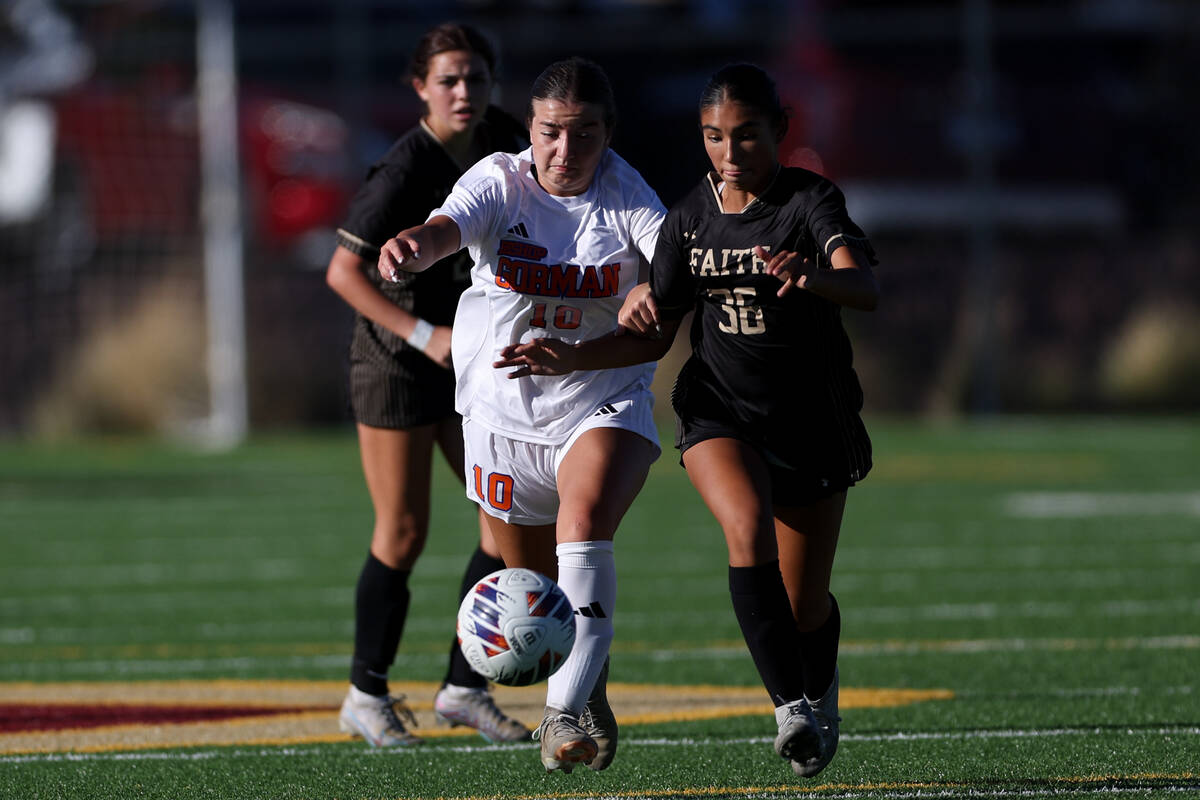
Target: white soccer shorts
[516, 481]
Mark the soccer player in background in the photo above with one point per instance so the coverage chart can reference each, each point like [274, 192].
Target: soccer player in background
[768, 405]
[401, 383]
[559, 234]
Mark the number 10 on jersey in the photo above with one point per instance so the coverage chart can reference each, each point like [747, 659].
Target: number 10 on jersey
[563, 317]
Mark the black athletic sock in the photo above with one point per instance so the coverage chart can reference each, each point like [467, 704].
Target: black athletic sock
[380, 608]
[819, 651]
[764, 613]
[459, 672]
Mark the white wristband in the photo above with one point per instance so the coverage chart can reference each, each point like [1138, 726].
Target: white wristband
[422, 332]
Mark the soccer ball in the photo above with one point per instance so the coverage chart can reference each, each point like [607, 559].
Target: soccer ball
[516, 627]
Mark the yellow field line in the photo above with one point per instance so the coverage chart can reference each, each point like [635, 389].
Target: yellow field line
[633, 703]
[722, 791]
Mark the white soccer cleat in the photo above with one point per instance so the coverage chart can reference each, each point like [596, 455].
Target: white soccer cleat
[475, 708]
[799, 738]
[564, 743]
[600, 723]
[377, 719]
[825, 711]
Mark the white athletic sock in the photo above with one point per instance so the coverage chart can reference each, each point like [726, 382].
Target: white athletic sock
[587, 574]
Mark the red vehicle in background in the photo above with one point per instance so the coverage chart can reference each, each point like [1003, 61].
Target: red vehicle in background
[136, 153]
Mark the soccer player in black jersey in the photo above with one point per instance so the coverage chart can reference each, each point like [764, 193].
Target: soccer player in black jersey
[401, 385]
[768, 404]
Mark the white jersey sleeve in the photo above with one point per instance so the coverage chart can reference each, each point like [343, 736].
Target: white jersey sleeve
[476, 203]
[645, 219]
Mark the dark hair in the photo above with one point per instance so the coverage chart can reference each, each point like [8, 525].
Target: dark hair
[446, 37]
[749, 85]
[575, 80]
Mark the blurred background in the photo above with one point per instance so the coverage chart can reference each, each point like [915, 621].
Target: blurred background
[171, 174]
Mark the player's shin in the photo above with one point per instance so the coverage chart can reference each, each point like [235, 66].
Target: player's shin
[587, 574]
[764, 614]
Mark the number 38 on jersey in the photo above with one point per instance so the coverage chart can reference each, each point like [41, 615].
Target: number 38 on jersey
[742, 312]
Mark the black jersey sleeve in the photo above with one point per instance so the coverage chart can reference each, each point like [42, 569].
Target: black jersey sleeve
[671, 280]
[831, 226]
[378, 211]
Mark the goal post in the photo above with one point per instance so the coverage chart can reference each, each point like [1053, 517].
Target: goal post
[222, 237]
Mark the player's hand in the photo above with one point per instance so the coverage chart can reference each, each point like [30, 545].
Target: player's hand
[787, 266]
[438, 349]
[537, 357]
[401, 252]
[639, 313]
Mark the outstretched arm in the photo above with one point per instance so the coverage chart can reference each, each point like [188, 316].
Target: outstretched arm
[417, 249]
[849, 283]
[556, 357]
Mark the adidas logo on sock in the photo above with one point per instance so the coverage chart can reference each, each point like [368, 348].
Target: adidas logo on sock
[519, 230]
[595, 611]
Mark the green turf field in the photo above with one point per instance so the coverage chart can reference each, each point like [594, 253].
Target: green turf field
[1044, 574]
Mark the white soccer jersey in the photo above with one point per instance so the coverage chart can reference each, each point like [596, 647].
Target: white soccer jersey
[545, 266]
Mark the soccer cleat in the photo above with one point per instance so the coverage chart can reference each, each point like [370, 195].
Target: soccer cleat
[799, 738]
[475, 708]
[377, 719]
[825, 711]
[564, 743]
[598, 721]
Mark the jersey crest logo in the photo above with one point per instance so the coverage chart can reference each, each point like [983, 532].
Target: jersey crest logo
[519, 230]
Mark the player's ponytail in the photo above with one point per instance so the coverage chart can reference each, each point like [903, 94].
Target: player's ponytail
[749, 85]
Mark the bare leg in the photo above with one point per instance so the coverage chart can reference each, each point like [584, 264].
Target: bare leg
[449, 439]
[598, 480]
[396, 466]
[807, 538]
[528, 546]
[735, 485]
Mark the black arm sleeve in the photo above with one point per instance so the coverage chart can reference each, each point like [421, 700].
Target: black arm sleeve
[671, 281]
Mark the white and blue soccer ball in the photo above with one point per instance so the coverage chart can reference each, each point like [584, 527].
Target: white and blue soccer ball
[516, 627]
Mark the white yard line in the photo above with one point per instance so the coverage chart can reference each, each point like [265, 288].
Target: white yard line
[634, 742]
[734, 650]
[1073, 505]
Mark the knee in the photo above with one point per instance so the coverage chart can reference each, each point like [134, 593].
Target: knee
[584, 525]
[813, 611]
[398, 540]
[749, 545]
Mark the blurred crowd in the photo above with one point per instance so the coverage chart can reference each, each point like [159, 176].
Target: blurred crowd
[1031, 193]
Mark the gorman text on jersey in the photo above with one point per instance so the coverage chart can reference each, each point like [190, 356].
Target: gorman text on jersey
[514, 271]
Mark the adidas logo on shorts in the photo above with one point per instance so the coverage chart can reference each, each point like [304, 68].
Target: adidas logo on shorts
[605, 410]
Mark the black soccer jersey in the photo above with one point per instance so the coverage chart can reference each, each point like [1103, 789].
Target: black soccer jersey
[413, 178]
[778, 369]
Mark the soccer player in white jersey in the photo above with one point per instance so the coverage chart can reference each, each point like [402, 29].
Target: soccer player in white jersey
[768, 405]
[559, 234]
